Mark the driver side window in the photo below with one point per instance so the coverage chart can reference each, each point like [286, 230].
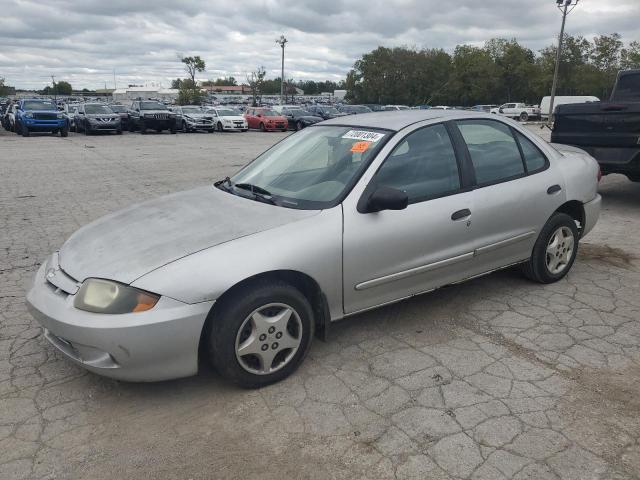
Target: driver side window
[423, 165]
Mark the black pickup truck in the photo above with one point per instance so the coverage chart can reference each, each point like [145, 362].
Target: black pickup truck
[609, 131]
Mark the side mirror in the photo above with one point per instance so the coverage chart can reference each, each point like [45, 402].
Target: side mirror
[383, 198]
[259, 115]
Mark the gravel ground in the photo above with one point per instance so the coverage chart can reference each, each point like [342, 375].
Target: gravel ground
[496, 378]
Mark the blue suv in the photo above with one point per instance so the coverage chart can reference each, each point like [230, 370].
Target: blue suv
[40, 115]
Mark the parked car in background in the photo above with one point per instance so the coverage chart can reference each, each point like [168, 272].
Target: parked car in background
[123, 111]
[610, 130]
[388, 108]
[325, 111]
[9, 118]
[519, 111]
[39, 115]
[442, 107]
[545, 103]
[297, 118]
[354, 109]
[96, 117]
[342, 217]
[69, 111]
[151, 114]
[265, 119]
[483, 108]
[228, 119]
[374, 107]
[192, 118]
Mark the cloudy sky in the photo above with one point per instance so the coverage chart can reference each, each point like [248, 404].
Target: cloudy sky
[84, 41]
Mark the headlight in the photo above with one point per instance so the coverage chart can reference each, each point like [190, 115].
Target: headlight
[104, 296]
[28, 115]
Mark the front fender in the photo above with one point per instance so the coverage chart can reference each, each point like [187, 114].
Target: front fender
[312, 246]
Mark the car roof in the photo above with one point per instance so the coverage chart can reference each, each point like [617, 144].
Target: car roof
[399, 119]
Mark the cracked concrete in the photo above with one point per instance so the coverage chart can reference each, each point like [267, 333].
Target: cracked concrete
[498, 378]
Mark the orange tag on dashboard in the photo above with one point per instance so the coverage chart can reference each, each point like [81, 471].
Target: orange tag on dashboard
[360, 147]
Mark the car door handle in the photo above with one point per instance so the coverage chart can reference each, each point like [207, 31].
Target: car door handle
[553, 189]
[460, 214]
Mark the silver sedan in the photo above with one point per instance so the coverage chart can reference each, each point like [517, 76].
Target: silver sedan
[344, 216]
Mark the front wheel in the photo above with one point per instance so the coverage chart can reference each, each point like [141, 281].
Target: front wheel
[261, 335]
[185, 129]
[262, 128]
[555, 250]
[24, 130]
[219, 127]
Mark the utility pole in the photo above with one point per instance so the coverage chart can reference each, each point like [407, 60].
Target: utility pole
[565, 6]
[55, 97]
[282, 42]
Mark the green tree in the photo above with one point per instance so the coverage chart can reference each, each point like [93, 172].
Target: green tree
[64, 88]
[5, 89]
[255, 80]
[176, 83]
[473, 79]
[630, 56]
[189, 93]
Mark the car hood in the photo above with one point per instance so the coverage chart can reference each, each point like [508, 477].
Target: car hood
[127, 244]
[198, 115]
[148, 112]
[232, 117]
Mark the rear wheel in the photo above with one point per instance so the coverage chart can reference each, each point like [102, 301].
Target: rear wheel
[524, 116]
[261, 335]
[555, 250]
[262, 128]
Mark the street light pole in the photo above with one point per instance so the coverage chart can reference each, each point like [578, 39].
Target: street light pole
[282, 42]
[563, 5]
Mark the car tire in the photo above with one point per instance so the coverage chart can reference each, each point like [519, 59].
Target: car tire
[524, 116]
[87, 129]
[219, 127]
[64, 132]
[185, 128]
[24, 131]
[554, 251]
[75, 128]
[299, 125]
[262, 127]
[119, 131]
[232, 324]
[143, 128]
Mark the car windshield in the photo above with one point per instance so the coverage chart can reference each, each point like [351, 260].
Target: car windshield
[331, 110]
[270, 113]
[93, 109]
[152, 106]
[118, 108]
[314, 167]
[191, 110]
[227, 113]
[298, 112]
[39, 105]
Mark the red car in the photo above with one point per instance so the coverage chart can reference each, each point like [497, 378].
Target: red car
[265, 119]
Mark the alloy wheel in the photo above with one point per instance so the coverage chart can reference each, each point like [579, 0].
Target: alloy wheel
[268, 338]
[560, 250]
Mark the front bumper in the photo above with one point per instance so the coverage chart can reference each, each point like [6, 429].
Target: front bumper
[234, 126]
[591, 214]
[200, 125]
[106, 126]
[158, 344]
[45, 125]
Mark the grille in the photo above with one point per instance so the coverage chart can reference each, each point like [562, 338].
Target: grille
[157, 116]
[45, 116]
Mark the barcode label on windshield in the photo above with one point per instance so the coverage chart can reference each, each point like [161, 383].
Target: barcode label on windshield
[363, 135]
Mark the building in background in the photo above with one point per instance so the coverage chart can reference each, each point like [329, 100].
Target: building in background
[146, 92]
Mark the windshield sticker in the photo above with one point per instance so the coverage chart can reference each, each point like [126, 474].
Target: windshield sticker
[360, 147]
[363, 135]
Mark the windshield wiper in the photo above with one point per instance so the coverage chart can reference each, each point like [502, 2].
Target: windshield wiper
[259, 193]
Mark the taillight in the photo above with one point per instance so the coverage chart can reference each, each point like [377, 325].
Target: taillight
[599, 174]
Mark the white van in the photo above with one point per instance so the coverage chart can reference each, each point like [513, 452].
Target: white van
[562, 100]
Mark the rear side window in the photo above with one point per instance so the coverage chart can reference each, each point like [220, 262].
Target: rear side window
[533, 157]
[423, 165]
[493, 150]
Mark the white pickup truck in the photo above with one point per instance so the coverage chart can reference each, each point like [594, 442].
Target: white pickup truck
[519, 111]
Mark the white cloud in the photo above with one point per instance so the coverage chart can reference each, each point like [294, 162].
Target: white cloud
[84, 41]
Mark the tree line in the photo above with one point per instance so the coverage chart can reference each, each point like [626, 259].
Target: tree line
[500, 71]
